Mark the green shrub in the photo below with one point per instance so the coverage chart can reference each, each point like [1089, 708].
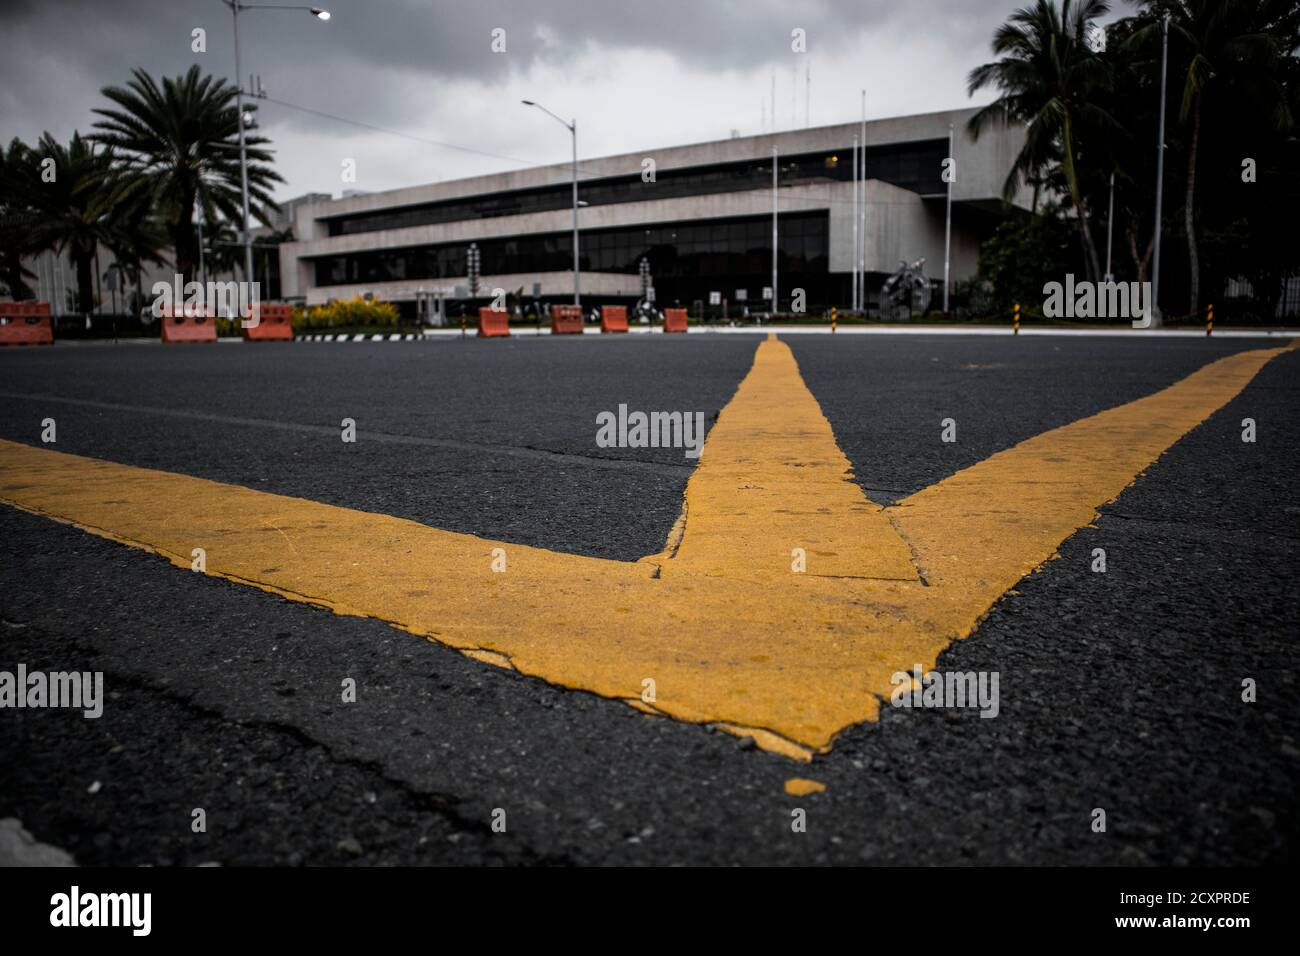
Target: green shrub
[346, 313]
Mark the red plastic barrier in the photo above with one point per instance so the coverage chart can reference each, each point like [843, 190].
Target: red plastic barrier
[274, 324]
[25, 323]
[493, 322]
[566, 320]
[188, 324]
[613, 318]
[674, 320]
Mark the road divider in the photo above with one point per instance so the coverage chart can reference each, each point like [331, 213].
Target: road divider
[674, 320]
[566, 320]
[493, 323]
[613, 318]
[25, 323]
[187, 323]
[273, 323]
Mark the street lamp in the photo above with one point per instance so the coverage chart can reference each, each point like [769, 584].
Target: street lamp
[776, 176]
[573, 129]
[236, 7]
[947, 229]
[777, 169]
[1154, 303]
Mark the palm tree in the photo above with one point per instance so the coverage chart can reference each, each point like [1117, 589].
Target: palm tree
[70, 208]
[179, 141]
[1219, 38]
[19, 182]
[134, 236]
[1132, 99]
[1048, 75]
[224, 253]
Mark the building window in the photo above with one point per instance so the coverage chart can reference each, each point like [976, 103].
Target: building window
[710, 249]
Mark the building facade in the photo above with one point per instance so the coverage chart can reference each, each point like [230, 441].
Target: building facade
[700, 216]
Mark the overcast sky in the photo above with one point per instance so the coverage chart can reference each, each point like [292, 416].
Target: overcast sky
[637, 74]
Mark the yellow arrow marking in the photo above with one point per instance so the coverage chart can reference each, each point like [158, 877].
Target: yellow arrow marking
[717, 620]
[772, 479]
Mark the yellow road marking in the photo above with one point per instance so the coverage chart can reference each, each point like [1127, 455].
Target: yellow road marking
[801, 787]
[772, 479]
[718, 621]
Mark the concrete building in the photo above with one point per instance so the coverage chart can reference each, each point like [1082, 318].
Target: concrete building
[703, 222]
[287, 213]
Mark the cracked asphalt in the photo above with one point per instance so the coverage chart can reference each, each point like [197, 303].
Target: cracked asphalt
[1119, 691]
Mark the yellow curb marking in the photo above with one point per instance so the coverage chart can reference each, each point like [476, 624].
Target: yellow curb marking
[801, 787]
[729, 634]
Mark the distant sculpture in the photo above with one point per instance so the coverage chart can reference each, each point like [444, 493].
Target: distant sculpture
[905, 292]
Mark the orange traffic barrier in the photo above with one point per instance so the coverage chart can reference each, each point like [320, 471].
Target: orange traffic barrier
[674, 320]
[25, 323]
[188, 324]
[274, 324]
[566, 320]
[493, 322]
[613, 318]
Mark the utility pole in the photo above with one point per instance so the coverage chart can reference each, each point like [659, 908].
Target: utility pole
[1110, 226]
[776, 295]
[573, 130]
[853, 297]
[244, 236]
[577, 268]
[862, 207]
[236, 6]
[1156, 319]
[807, 93]
[947, 224]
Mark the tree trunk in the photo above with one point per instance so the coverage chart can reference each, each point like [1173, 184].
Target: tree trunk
[19, 290]
[139, 285]
[185, 241]
[1091, 261]
[1193, 259]
[85, 281]
[1089, 249]
[1143, 261]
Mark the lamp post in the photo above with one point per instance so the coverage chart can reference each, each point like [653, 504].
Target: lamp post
[573, 130]
[203, 262]
[853, 297]
[1110, 226]
[947, 229]
[861, 211]
[776, 185]
[237, 7]
[1154, 304]
[776, 172]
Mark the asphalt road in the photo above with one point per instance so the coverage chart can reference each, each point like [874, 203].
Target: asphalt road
[1118, 690]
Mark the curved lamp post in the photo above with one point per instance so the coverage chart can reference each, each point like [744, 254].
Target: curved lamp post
[573, 129]
[236, 8]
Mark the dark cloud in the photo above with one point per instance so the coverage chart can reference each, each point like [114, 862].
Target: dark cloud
[394, 63]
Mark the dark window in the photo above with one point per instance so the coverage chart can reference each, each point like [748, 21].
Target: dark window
[915, 166]
[716, 250]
